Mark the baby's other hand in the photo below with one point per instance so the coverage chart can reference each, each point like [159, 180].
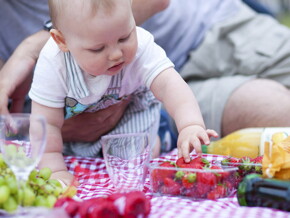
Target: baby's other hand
[64, 177]
[192, 137]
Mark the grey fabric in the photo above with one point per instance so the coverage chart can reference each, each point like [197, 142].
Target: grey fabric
[19, 19]
[245, 46]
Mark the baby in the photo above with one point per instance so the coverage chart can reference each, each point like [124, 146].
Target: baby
[97, 57]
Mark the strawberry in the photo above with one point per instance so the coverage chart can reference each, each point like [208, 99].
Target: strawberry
[230, 161]
[257, 160]
[188, 180]
[219, 192]
[222, 175]
[158, 175]
[137, 205]
[246, 164]
[70, 205]
[170, 187]
[205, 182]
[102, 209]
[181, 163]
[164, 173]
[199, 163]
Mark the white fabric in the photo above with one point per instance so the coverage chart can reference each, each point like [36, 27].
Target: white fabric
[182, 25]
[49, 85]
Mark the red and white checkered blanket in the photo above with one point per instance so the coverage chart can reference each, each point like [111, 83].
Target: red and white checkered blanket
[95, 182]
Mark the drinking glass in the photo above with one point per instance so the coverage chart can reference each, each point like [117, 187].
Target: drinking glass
[127, 157]
[22, 142]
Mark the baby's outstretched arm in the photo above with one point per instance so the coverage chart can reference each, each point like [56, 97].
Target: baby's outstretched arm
[52, 156]
[182, 106]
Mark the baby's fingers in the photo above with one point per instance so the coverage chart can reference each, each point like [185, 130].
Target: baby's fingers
[212, 133]
[183, 151]
[204, 138]
[195, 142]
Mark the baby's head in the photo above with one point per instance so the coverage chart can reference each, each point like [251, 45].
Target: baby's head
[100, 34]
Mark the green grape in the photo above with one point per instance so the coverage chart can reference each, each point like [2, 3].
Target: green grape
[20, 196]
[12, 184]
[10, 205]
[51, 199]
[40, 181]
[45, 173]
[28, 197]
[40, 201]
[33, 175]
[2, 180]
[2, 162]
[57, 191]
[4, 193]
[55, 183]
[48, 189]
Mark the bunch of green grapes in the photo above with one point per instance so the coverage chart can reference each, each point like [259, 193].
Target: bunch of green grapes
[39, 190]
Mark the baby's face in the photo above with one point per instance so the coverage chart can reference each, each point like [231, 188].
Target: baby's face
[104, 43]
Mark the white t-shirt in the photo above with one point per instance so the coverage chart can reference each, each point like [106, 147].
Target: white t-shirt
[49, 86]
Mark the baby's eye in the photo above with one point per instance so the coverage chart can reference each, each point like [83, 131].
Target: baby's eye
[125, 38]
[97, 49]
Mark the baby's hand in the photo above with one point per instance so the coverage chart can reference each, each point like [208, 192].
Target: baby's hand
[64, 177]
[192, 137]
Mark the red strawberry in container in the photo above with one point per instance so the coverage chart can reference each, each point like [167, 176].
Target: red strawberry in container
[196, 163]
[205, 182]
[170, 187]
[164, 173]
[230, 161]
[188, 180]
[219, 192]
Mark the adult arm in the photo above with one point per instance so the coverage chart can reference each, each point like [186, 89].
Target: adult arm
[144, 9]
[16, 74]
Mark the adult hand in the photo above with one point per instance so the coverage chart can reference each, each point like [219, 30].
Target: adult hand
[16, 74]
[88, 127]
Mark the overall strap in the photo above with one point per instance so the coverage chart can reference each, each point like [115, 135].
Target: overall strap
[75, 78]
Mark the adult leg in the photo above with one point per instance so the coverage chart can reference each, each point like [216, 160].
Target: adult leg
[257, 103]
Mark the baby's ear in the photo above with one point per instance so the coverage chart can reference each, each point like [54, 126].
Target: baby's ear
[59, 39]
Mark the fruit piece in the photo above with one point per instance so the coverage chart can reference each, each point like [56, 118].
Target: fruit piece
[170, 187]
[70, 205]
[218, 192]
[104, 209]
[181, 163]
[188, 180]
[163, 173]
[179, 175]
[230, 161]
[45, 173]
[28, 197]
[51, 199]
[4, 193]
[85, 207]
[10, 205]
[205, 182]
[199, 163]
[220, 174]
[257, 160]
[137, 205]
